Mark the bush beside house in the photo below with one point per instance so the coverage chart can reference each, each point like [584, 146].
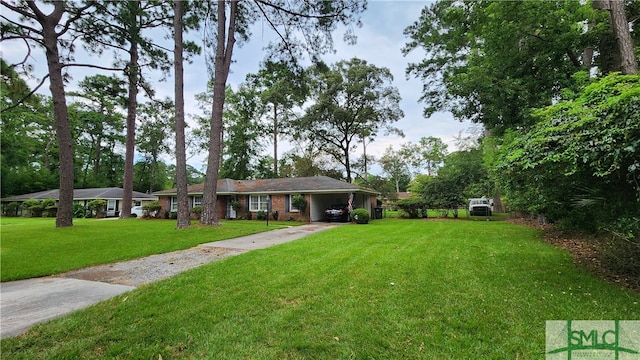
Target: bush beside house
[360, 216]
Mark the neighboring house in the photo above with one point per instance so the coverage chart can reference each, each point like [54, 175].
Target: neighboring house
[391, 203]
[403, 195]
[275, 195]
[113, 197]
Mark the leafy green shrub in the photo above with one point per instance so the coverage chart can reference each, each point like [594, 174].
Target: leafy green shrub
[249, 215]
[79, 211]
[50, 208]
[261, 215]
[173, 215]
[299, 202]
[34, 207]
[275, 215]
[153, 209]
[11, 209]
[360, 216]
[622, 252]
[97, 205]
[47, 203]
[197, 211]
[581, 157]
[236, 205]
[414, 206]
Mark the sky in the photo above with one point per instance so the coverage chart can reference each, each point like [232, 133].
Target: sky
[380, 40]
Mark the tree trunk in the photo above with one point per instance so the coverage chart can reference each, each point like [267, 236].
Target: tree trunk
[587, 53]
[364, 159]
[275, 140]
[616, 54]
[497, 202]
[132, 103]
[628, 62]
[224, 52]
[181, 157]
[154, 165]
[60, 112]
[347, 163]
[96, 161]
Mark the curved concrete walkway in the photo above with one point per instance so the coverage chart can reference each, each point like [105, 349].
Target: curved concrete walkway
[25, 303]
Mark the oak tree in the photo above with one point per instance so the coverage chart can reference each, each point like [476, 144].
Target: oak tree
[351, 98]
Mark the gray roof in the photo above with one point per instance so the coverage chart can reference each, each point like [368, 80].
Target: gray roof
[81, 194]
[306, 185]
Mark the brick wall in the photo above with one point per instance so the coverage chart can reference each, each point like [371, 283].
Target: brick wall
[164, 202]
[278, 203]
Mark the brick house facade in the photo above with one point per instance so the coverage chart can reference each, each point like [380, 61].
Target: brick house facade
[271, 195]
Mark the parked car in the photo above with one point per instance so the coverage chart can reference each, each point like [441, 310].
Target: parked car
[337, 212]
[137, 211]
[479, 207]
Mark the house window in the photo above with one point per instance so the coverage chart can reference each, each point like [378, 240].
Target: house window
[197, 201]
[292, 208]
[258, 202]
[174, 203]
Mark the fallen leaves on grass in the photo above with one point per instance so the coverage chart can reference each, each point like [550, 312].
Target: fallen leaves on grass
[584, 249]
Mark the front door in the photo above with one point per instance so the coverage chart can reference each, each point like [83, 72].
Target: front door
[231, 213]
[111, 208]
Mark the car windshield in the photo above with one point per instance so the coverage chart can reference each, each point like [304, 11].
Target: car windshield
[337, 207]
[479, 201]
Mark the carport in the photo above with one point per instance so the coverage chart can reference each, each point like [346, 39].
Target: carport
[275, 195]
[320, 201]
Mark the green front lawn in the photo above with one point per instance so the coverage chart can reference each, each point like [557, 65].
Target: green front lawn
[391, 289]
[437, 214]
[35, 247]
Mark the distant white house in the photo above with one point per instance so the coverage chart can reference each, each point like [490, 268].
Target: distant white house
[113, 197]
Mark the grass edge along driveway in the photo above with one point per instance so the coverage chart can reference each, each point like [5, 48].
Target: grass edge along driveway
[35, 247]
[391, 289]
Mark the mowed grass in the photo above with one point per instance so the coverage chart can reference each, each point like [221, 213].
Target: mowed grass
[35, 247]
[391, 289]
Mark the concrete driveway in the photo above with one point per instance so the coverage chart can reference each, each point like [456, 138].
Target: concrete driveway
[25, 303]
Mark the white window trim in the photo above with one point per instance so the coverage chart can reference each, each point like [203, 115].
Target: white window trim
[174, 203]
[261, 201]
[197, 200]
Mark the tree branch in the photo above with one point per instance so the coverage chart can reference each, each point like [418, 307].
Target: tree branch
[24, 61]
[21, 101]
[17, 10]
[93, 67]
[22, 26]
[78, 13]
[275, 28]
[293, 13]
